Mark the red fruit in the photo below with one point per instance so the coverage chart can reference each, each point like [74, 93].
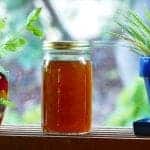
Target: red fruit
[3, 93]
[3, 83]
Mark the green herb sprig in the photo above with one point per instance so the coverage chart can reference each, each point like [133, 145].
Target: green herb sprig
[31, 24]
[17, 41]
[135, 31]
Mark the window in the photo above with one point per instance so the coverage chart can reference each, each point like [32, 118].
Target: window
[119, 94]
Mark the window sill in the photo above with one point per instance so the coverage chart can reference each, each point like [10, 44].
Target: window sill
[19, 137]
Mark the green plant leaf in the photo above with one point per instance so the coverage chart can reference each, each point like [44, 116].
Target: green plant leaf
[138, 21]
[15, 43]
[33, 16]
[32, 20]
[16, 40]
[5, 102]
[135, 31]
[35, 30]
[2, 24]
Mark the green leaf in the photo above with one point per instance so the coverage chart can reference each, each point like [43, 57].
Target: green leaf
[33, 16]
[2, 24]
[5, 102]
[32, 20]
[35, 30]
[135, 31]
[15, 43]
[138, 21]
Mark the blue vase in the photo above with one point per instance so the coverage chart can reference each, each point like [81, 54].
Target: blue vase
[145, 73]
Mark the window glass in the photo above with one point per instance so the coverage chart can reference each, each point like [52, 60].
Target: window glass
[119, 93]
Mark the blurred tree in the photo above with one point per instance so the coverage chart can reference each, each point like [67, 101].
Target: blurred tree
[132, 104]
[32, 115]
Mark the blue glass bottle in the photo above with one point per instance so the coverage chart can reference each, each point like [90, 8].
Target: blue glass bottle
[145, 72]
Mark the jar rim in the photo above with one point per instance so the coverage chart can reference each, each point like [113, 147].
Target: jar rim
[65, 45]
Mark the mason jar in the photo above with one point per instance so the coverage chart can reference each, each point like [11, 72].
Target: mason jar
[67, 87]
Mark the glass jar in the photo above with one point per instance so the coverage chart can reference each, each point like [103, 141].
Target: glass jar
[67, 87]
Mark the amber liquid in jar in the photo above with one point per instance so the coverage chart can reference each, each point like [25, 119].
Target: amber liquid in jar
[67, 96]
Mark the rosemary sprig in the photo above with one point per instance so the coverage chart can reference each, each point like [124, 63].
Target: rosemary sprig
[135, 31]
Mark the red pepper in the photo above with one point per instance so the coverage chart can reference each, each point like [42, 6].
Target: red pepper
[3, 93]
[3, 83]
